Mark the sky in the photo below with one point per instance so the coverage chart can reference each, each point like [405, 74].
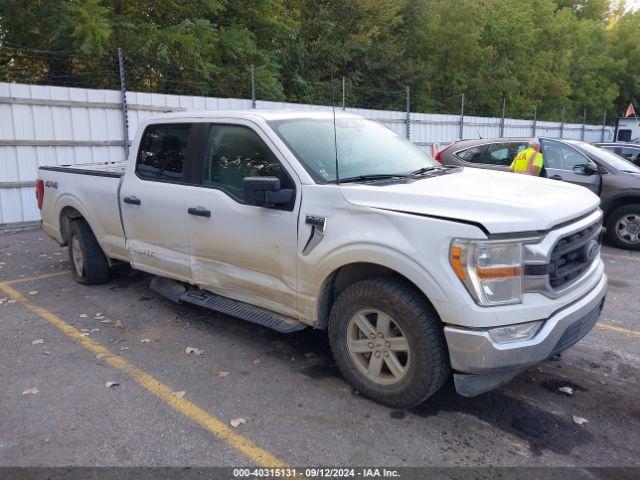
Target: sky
[633, 5]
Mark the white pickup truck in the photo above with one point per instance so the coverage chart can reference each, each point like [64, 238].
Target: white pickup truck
[416, 271]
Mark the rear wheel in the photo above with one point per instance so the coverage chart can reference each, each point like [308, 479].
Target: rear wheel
[388, 342]
[89, 263]
[623, 227]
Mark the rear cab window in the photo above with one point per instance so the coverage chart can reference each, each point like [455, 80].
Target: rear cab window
[163, 152]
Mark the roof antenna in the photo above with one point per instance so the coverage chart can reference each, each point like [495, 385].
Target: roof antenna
[335, 134]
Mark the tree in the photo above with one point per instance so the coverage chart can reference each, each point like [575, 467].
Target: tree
[552, 54]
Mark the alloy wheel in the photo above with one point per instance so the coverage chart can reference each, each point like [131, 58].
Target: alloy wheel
[378, 346]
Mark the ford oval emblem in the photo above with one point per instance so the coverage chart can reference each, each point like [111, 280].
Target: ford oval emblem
[591, 250]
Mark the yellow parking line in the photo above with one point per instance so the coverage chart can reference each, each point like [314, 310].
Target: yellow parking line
[621, 257]
[37, 277]
[192, 411]
[613, 328]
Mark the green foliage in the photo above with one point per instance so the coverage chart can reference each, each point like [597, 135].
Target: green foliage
[552, 54]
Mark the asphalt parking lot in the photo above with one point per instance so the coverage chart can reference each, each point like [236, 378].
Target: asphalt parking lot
[63, 342]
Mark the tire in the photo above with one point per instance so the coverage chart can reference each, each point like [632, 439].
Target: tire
[89, 264]
[426, 364]
[621, 235]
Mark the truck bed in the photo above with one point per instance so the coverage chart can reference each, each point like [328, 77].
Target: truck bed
[91, 190]
[107, 169]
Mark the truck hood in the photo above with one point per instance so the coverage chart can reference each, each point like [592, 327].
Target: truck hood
[501, 202]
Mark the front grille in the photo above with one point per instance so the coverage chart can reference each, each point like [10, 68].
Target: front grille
[576, 331]
[570, 257]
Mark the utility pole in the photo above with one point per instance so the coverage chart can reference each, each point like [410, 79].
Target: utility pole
[535, 121]
[562, 124]
[253, 86]
[461, 133]
[344, 105]
[123, 100]
[408, 119]
[604, 125]
[584, 124]
[504, 108]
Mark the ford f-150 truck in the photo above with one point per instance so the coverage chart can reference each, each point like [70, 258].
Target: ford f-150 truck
[290, 220]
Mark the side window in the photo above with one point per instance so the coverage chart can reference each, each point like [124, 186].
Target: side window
[473, 154]
[235, 152]
[562, 157]
[162, 152]
[503, 153]
[630, 153]
[624, 135]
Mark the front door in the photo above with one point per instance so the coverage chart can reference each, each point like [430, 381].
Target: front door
[152, 202]
[240, 251]
[560, 160]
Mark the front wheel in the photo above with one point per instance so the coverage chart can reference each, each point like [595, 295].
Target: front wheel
[388, 342]
[623, 227]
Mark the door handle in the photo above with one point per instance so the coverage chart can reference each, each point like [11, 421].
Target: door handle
[199, 212]
[556, 177]
[132, 200]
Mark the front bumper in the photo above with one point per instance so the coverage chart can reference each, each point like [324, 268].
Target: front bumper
[481, 364]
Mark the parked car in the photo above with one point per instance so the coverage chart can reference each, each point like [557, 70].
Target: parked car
[414, 270]
[630, 151]
[614, 179]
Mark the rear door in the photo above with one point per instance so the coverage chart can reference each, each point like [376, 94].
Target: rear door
[241, 251]
[560, 160]
[152, 201]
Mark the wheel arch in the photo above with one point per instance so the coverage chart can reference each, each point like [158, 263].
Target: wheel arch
[352, 272]
[614, 203]
[71, 208]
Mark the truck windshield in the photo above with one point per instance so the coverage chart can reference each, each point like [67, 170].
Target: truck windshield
[365, 148]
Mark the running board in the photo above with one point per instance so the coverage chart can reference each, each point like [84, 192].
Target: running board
[177, 292]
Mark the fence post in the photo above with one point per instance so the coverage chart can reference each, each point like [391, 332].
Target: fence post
[604, 125]
[461, 117]
[534, 125]
[253, 86]
[123, 99]
[562, 124]
[408, 119]
[584, 124]
[504, 107]
[344, 104]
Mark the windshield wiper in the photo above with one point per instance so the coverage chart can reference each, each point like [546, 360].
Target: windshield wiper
[422, 170]
[377, 176]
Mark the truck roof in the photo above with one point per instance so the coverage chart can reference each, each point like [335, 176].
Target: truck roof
[280, 114]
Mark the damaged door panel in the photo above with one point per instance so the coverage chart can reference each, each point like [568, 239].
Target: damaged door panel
[228, 255]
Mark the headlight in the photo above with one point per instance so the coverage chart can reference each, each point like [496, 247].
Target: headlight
[491, 271]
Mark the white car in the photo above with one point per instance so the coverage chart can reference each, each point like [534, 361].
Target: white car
[294, 219]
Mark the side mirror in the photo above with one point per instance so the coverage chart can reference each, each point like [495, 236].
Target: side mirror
[585, 169]
[265, 192]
